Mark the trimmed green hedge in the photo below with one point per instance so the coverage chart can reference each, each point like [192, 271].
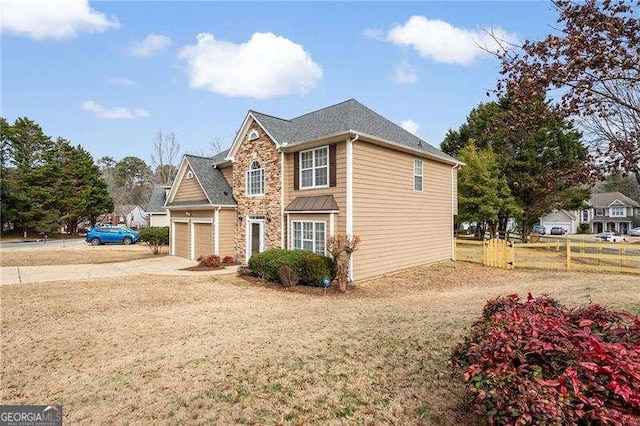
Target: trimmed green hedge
[311, 267]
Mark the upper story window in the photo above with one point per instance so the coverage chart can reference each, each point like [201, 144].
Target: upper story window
[616, 211]
[417, 175]
[314, 168]
[585, 216]
[255, 179]
[599, 212]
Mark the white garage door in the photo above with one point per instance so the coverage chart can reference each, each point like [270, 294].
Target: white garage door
[549, 225]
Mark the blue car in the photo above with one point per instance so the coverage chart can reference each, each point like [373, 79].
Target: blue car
[103, 235]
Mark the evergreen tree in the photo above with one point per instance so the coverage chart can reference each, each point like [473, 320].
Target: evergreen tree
[539, 153]
[483, 194]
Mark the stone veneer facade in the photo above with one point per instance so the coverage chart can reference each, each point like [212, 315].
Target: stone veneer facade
[268, 205]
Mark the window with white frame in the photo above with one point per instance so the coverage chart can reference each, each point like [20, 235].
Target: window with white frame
[314, 168]
[616, 211]
[585, 215]
[309, 236]
[417, 175]
[599, 212]
[255, 179]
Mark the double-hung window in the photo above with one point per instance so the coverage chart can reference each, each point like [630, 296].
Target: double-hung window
[314, 168]
[255, 179]
[309, 236]
[616, 211]
[417, 175]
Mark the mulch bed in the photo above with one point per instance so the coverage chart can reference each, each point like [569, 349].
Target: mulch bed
[300, 288]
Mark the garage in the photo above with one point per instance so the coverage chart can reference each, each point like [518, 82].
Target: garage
[181, 239]
[202, 239]
[548, 225]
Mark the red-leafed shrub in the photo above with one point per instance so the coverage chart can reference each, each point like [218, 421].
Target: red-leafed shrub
[539, 362]
[209, 261]
[228, 260]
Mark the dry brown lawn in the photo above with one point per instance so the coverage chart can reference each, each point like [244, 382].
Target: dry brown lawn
[73, 255]
[224, 350]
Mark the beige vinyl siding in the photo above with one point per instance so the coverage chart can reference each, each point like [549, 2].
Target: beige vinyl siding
[189, 189]
[227, 223]
[182, 242]
[201, 214]
[203, 239]
[399, 227]
[339, 191]
[227, 172]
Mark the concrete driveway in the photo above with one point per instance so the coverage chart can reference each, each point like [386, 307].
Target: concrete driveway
[165, 265]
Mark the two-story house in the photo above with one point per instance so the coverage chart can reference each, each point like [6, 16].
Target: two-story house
[605, 211]
[293, 183]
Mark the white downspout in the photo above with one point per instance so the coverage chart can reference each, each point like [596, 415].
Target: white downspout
[349, 149]
[216, 231]
[282, 224]
[453, 235]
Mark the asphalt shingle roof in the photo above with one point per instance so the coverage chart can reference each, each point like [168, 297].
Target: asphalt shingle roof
[604, 199]
[346, 116]
[157, 200]
[213, 182]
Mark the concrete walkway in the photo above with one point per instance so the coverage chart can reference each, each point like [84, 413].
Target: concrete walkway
[165, 265]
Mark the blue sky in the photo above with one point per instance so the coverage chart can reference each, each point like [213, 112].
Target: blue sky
[109, 75]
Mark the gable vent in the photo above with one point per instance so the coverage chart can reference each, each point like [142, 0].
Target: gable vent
[189, 174]
[253, 135]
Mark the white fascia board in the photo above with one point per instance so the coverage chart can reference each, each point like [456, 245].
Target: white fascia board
[240, 136]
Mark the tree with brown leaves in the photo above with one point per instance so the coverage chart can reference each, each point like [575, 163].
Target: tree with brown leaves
[592, 65]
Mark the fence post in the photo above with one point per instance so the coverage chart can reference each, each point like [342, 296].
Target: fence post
[568, 253]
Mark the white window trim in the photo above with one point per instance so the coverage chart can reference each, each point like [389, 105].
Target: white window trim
[248, 178]
[253, 135]
[302, 222]
[601, 210]
[250, 220]
[313, 168]
[421, 175]
[624, 211]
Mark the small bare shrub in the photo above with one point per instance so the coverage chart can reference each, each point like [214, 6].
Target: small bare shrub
[288, 276]
[341, 247]
[209, 261]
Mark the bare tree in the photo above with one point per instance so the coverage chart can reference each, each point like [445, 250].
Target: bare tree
[592, 63]
[165, 155]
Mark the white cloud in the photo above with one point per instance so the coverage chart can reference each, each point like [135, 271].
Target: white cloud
[404, 73]
[442, 42]
[153, 44]
[119, 81]
[41, 19]
[410, 126]
[112, 113]
[266, 66]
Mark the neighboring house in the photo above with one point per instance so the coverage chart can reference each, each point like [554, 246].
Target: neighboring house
[611, 211]
[158, 215]
[134, 217]
[293, 183]
[605, 211]
[563, 218]
[108, 219]
[130, 216]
